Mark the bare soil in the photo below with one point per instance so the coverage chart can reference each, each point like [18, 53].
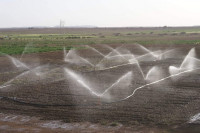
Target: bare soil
[167, 106]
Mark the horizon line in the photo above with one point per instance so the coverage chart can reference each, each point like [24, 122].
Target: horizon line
[164, 26]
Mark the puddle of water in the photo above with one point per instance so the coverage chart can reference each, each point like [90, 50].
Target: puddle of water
[23, 124]
[19, 123]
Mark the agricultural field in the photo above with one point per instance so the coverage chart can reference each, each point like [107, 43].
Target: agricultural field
[100, 79]
[13, 41]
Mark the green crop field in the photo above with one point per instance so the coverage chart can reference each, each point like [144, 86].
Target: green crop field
[13, 41]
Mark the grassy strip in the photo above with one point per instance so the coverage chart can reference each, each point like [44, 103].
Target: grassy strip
[15, 43]
[170, 42]
[19, 49]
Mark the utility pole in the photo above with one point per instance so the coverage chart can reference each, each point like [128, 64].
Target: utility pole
[62, 24]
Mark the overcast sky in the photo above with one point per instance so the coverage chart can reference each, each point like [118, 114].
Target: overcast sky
[102, 13]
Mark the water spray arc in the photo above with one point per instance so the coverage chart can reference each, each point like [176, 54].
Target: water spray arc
[82, 82]
[116, 57]
[131, 59]
[105, 78]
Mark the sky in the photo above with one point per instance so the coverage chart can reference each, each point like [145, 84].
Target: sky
[101, 13]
